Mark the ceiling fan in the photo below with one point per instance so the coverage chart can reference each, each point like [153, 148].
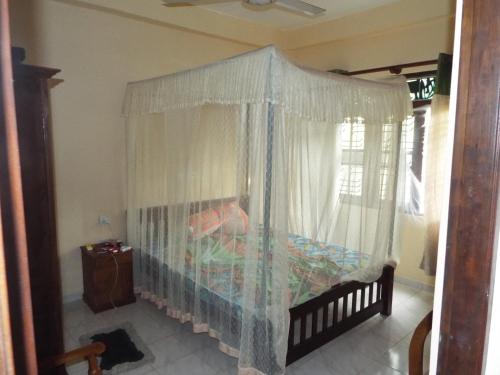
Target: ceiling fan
[295, 5]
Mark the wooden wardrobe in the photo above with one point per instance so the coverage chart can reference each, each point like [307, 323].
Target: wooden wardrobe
[31, 87]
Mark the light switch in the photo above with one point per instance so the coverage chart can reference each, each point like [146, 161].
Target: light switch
[104, 220]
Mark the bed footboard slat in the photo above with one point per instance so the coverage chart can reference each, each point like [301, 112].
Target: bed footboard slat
[354, 301]
[344, 306]
[325, 317]
[314, 327]
[291, 332]
[363, 298]
[335, 312]
[303, 321]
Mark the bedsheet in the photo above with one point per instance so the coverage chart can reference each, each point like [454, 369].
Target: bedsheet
[314, 267]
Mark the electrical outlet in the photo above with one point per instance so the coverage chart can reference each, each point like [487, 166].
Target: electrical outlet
[104, 220]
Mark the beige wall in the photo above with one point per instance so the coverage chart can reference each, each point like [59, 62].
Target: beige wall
[98, 54]
[412, 245]
[99, 50]
[418, 42]
[405, 31]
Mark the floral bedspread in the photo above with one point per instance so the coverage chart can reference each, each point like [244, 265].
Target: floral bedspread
[217, 262]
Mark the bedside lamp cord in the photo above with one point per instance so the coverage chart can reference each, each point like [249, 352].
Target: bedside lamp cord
[115, 282]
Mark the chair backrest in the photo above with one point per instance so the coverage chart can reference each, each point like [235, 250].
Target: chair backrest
[89, 352]
[416, 351]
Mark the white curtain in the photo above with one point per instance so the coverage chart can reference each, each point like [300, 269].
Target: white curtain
[434, 164]
[343, 190]
[254, 186]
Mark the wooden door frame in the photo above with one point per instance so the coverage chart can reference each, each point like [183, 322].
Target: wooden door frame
[474, 190]
[17, 343]
[6, 354]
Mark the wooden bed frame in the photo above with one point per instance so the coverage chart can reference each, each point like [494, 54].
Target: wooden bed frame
[343, 307]
[327, 316]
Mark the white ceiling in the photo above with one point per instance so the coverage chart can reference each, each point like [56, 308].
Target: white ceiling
[283, 18]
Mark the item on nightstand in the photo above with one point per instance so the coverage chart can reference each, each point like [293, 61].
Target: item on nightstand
[112, 246]
[107, 276]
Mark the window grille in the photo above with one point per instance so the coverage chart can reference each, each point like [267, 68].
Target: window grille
[352, 181]
[353, 144]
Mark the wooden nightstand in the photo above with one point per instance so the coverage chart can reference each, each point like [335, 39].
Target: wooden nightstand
[102, 286]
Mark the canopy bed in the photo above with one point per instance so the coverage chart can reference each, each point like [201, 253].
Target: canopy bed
[264, 201]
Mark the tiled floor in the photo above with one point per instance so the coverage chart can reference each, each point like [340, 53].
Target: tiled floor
[377, 347]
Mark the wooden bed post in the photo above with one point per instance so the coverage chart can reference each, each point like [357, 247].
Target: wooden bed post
[388, 271]
[268, 177]
[395, 188]
[387, 289]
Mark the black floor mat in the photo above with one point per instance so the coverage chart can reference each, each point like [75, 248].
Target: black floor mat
[119, 348]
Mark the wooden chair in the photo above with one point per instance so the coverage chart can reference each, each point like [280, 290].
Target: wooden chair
[416, 351]
[89, 352]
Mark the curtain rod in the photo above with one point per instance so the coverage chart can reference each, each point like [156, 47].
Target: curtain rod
[395, 69]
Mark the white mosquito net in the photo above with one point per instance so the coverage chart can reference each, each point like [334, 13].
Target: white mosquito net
[255, 185]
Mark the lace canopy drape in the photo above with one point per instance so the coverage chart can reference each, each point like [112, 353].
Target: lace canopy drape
[436, 147]
[435, 151]
[255, 185]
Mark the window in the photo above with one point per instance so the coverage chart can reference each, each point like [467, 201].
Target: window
[353, 144]
[408, 139]
[352, 179]
[353, 154]
[422, 88]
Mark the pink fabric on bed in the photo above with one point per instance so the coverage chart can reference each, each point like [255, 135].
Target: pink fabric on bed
[234, 219]
[230, 216]
[204, 223]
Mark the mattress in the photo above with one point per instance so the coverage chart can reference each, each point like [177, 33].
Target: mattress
[314, 267]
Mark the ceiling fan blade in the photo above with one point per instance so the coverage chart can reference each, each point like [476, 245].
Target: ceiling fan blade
[301, 6]
[194, 2]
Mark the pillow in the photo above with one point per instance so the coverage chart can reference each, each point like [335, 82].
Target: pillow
[234, 219]
[204, 223]
[230, 216]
